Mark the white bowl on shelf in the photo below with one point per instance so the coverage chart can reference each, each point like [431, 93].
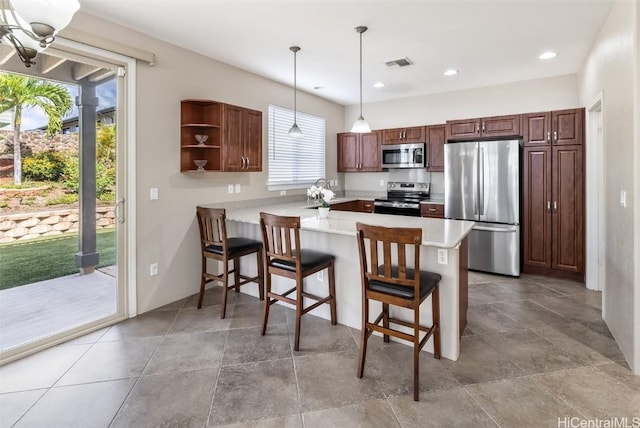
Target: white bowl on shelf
[201, 139]
[200, 163]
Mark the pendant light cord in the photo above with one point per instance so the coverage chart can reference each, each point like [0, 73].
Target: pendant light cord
[361, 70]
[295, 87]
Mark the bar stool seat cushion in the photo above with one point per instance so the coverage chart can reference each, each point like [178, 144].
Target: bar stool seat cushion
[308, 259]
[235, 245]
[428, 281]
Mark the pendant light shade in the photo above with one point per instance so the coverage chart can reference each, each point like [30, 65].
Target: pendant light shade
[361, 126]
[295, 131]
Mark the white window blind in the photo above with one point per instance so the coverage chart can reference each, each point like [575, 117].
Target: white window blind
[295, 162]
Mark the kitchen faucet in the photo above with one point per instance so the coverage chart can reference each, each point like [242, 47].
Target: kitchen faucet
[324, 183]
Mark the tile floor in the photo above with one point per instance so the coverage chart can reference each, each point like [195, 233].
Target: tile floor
[535, 350]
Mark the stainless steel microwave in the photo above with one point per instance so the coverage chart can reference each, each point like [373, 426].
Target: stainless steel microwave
[403, 155]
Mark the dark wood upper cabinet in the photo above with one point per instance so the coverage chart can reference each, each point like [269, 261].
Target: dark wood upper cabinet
[562, 127]
[435, 147]
[487, 127]
[359, 152]
[567, 126]
[242, 144]
[414, 134]
[234, 136]
[463, 129]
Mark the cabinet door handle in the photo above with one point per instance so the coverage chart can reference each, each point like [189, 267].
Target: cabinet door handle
[483, 127]
[432, 210]
[555, 205]
[246, 165]
[548, 136]
[427, 164]
[555, 136]
[548, 206]
[477, 128]
[244, 162]
[400, 137]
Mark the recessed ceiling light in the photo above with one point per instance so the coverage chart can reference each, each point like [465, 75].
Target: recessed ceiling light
[548, 55]
[378, 85]
[451, 72]
[318, 88]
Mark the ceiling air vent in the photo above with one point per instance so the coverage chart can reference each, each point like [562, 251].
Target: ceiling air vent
[402, 62]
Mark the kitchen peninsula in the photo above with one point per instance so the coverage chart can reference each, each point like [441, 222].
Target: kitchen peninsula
[337, 235]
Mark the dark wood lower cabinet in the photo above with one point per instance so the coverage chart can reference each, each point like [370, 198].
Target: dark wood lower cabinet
[553, 227]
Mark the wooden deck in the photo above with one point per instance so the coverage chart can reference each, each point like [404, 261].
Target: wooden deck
[38, 310]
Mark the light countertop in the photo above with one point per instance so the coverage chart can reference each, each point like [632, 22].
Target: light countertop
[435, 232]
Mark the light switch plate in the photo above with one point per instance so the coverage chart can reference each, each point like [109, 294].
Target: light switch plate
[230, 188]
[153, 269]
[237, 188]
[283, 193]
[153, 193]
[623, 198]
[382, 182]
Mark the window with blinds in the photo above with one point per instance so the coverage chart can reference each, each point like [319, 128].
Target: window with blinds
[295, 162]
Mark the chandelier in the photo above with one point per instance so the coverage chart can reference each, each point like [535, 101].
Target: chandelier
[30, 26]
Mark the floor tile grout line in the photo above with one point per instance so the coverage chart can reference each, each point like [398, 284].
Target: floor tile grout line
[215, 386]
[553, 394]
[115, 415]
[464, 388]
[56, 382]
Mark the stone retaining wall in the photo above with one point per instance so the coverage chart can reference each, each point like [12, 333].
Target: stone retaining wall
[37, 141]
[18, 227]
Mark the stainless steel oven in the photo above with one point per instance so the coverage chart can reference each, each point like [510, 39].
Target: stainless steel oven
[403, 155]
[402, 199]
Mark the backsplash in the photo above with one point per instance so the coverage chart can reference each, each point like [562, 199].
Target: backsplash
[370, 182]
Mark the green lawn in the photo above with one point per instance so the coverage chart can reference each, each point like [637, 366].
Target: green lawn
[39, 259]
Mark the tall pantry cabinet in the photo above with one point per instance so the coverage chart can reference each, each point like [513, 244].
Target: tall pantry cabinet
[554, 210]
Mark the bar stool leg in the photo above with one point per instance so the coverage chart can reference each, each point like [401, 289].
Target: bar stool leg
[332, 293]
[363, 336]
[225, 285]
[267, 303]
[416, 354]
[299, 283]
[236, 274]
[202, 282]
[260, 266]
[435, 309]
[385, 320]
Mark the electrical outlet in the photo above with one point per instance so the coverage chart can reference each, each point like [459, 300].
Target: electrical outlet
[382, 182]
[153, 193]
[283, 192]
[443, 256]
[623, 198]
[336, 183]
[230, 188]
[153, 269]
[320, 276]
[237, 188]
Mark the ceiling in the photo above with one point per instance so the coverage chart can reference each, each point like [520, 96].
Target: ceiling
[490, 42]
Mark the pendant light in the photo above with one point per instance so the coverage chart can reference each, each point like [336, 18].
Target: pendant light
[295, 132]
[361, 126]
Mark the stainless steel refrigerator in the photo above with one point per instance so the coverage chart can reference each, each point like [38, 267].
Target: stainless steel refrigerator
[482, 184]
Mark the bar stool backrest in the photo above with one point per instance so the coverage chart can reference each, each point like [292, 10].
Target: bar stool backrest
[213, 230]
[281, 237]
[387, 259]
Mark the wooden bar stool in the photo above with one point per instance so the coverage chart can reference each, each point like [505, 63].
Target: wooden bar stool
[284, 257]
[387, 278]
[216, 246]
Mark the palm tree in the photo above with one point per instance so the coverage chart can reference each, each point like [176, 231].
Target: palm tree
[17, 91]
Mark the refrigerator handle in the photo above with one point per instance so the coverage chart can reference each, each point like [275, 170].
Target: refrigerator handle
[477, 177]
[481, 181]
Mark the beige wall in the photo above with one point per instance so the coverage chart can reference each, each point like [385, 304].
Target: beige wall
[609, 68]
[166, 228]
